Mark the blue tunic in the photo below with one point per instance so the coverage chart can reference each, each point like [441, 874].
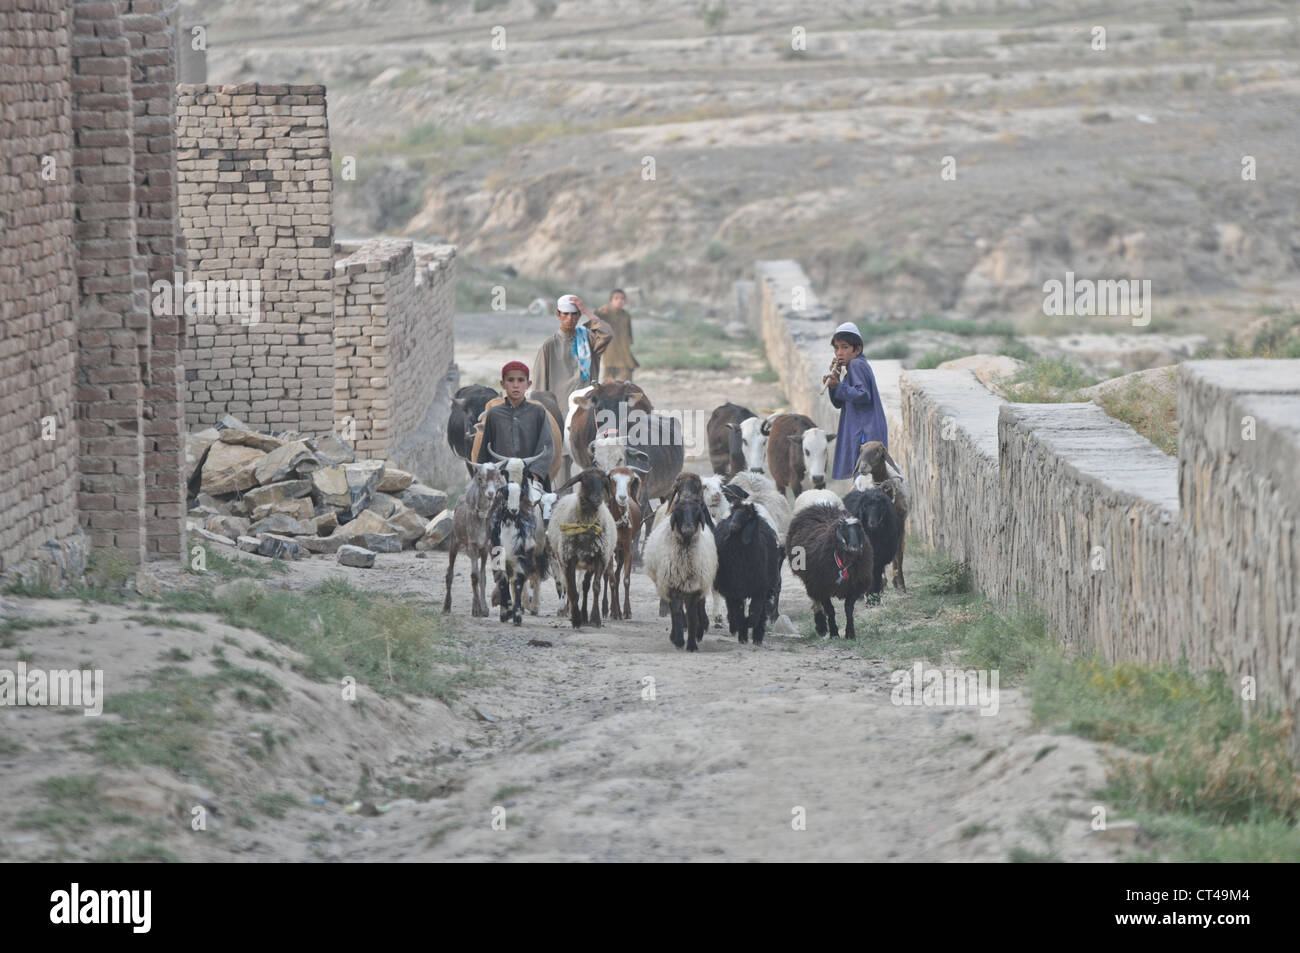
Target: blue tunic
[862, 418]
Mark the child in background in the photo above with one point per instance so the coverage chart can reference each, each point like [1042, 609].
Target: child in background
[862, 418]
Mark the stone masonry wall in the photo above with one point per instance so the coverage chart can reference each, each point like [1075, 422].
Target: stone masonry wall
[1128, 552]
[255, 203]
[394, 305]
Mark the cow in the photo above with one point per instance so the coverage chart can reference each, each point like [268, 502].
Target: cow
[726, 450]
[796, 448]
[602, 407]
[466, 408]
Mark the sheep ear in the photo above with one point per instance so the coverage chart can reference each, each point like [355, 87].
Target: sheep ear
[831, 438]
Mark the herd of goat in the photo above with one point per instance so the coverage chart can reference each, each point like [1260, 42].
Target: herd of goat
[722, 536]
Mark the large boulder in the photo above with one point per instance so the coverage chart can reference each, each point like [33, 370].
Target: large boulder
[285, 461]
[277, 492]
[196, 449]
[384, 505]
[278, 547]
[250, 438]
[332, 450]
[283, 525]
[349, 487]
[232, 527]
[394, 480]
[356, 556]
[409, 524]
[367, 521]
[229, 468]
[437, 532]
[299, 509]
[425, 500]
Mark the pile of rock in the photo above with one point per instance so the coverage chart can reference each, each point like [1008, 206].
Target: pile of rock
[284, 495]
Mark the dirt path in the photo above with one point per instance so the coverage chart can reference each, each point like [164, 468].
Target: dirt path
[735, 743]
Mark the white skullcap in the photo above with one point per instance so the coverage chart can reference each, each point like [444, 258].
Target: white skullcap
[565, 303]
[848, 327]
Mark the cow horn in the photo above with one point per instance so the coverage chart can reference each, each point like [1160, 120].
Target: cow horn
[495, 455]
[535, 457]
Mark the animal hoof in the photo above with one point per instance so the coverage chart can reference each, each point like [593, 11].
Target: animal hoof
[518, 621]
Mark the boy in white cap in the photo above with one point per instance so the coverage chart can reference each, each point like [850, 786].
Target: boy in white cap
[570, 359]
[862, 418]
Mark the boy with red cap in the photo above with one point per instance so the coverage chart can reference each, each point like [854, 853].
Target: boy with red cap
[513, 426]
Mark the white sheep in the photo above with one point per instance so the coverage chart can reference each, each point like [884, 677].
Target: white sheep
[681, 559]
[809, 497]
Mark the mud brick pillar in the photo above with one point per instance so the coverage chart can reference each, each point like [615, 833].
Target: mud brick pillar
[112, 313]
[150, 27]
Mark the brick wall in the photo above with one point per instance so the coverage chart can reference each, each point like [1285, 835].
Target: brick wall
[255, 204]
[88, 85]
[38, 478]
[150, 27]
[394, 305]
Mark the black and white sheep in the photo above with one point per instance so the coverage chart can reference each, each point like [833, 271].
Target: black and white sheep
[830, 553]
[749, 566]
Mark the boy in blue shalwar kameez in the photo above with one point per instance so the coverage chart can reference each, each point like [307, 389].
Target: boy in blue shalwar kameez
[862, 418]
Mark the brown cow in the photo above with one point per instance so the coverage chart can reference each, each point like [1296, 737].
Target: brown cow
[726, 453]
[602, 409]
[796, 447]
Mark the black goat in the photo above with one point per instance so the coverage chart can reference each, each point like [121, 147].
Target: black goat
[831, 555]
[749, 566]
[876, 511]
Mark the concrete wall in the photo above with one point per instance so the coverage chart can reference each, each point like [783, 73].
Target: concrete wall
[255, 203]
[86, 218]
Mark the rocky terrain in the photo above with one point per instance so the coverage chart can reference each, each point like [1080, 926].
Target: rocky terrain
[1125, 161]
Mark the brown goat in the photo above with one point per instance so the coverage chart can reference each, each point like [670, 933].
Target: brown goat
[871, 461]
[623, 484]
